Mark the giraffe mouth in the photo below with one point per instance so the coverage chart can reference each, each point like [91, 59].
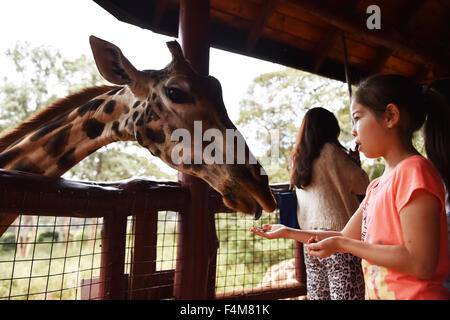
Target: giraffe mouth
[250, 199]
[258, 213]
[264, 199]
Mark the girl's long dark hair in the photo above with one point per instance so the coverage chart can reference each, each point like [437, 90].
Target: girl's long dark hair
[429, 105]
[318, 127]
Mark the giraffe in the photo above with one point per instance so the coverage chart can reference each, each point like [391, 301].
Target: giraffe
[281, 275]
[145, 106]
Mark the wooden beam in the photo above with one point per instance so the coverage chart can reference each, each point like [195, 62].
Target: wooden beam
[324, 47]
[160, 8]
[258, 26]
[265, 293]
[386, 38]
[421, 73]
[382, 56]
[403, 19]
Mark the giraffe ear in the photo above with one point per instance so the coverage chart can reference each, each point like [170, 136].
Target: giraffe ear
[111, 63]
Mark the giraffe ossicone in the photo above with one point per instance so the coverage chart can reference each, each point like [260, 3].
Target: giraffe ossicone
[147, 106]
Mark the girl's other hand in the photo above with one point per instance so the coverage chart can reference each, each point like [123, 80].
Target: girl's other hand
[324, 248]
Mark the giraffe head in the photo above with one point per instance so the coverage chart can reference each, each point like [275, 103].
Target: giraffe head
[180, 117]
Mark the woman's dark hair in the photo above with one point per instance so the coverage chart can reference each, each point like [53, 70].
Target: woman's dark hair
[318, 127]
[418, 105]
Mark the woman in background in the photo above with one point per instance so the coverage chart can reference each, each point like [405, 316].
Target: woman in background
[328, 182]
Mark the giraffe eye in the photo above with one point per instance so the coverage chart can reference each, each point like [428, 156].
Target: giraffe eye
[178, 96]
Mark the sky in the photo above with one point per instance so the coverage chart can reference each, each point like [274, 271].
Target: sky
[67, 24]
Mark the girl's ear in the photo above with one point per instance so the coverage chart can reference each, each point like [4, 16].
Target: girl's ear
[392, 115]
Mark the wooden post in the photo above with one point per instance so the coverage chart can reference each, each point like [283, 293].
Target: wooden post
[112, 280]
[300, 268]
[143, 264]
[197, 241]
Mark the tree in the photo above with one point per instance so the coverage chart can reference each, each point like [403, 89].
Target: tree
[275, 104]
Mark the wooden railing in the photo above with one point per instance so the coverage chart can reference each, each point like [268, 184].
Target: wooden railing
[28, 194]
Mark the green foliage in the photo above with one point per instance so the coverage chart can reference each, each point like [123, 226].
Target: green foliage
[8, 242]
[243, 258]
[275, 104]
[48, 236]
[111, 163]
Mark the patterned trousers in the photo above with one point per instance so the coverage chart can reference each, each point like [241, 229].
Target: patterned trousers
[338, 277]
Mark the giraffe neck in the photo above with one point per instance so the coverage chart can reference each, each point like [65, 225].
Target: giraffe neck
[58, 145]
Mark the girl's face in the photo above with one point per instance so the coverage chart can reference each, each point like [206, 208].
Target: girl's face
[369, 131]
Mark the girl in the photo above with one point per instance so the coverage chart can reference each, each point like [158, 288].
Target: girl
[400, 229]
[328, 182]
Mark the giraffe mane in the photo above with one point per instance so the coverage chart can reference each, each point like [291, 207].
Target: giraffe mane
[57, 108]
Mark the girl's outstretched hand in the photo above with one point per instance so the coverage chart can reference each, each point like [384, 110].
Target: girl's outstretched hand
[271, 231]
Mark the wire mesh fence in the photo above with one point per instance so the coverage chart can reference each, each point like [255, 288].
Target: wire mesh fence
[125, 245]
[58, 258]
[46, 257]
[243, 258]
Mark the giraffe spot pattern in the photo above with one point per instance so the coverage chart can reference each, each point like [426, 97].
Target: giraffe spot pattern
[67, 160]
[136, 104]
[153, 116]
[156, 153]
[90, 106]
[109, 107]
[93, 128]
[44, 130]
[9, 156]
[55, 145]
[26, 165]
[115, 128]
[155, 136]
[139, 138]
[140, 122]
[114, 91]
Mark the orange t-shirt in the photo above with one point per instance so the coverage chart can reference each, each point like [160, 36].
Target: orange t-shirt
[381, 225]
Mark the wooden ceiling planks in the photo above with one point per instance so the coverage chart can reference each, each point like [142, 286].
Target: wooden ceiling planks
[306, 34]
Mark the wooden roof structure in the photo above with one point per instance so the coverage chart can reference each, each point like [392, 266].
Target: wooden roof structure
[317, 35]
